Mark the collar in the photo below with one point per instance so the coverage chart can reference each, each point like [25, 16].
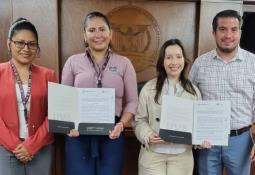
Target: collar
[169, 89]
[90, 56]
[237, 56]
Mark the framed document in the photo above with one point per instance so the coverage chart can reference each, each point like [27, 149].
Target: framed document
[89, 110]
[191, 122]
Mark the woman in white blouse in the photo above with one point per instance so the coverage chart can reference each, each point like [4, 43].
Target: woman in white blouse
[156, 155]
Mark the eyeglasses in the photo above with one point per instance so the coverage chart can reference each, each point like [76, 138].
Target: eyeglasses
[21, 44]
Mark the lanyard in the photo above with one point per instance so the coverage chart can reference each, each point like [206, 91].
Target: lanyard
[22, 93]
[99, 71]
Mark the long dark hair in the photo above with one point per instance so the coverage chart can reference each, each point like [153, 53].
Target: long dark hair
[186, 84]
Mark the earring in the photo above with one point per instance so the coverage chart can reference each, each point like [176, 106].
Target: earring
[85, 43]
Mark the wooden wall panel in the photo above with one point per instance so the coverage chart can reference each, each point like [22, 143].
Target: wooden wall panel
[5, 22]
[209, 8]
[44, 15]
[172, 24]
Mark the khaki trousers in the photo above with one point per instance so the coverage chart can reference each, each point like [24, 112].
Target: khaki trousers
[152, 163]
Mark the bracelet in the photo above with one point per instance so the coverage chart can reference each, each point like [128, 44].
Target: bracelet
[122, 125]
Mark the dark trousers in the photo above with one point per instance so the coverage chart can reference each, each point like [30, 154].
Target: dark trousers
[94, 155]
[195, 170]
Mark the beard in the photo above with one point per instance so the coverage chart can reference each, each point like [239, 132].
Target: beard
[226, 50]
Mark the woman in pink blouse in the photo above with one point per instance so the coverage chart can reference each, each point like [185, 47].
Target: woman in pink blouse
[99, 67]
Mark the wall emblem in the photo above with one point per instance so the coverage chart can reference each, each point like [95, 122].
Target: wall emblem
[135, 35]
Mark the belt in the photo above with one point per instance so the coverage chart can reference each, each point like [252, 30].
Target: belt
[239, 131]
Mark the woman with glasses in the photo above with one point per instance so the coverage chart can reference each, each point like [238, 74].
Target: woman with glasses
[25, 144]
[99, 67]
